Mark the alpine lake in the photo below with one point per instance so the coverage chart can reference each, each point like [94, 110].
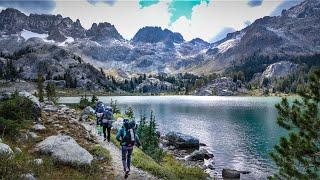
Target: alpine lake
[240, 131]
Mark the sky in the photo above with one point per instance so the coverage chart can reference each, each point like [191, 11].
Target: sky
[210, 20]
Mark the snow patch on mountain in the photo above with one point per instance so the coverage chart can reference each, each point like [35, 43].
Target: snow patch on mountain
[29, 34]
[67, 41]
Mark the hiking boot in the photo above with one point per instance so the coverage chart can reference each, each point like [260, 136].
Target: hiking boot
[127, 173]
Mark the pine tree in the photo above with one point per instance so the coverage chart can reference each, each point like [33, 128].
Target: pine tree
[51, 92]
[147, 131]
[115, 107]
[94, 99]
[40, 86]
[298, 155]
[129, 113]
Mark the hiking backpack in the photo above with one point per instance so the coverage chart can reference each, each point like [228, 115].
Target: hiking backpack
[129, 133]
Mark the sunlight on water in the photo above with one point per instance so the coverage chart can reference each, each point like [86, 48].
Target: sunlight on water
[241, 131]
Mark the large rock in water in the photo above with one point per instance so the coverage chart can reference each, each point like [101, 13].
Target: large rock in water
[64, 149]
[232, 174]
[182, 141]
[199, 155]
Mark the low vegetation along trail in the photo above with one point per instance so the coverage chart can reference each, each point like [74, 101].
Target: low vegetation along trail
[115, 153]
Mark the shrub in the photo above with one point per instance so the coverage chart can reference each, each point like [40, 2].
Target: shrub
[17, 108]
[15, 113]
[84, 102]
[10, 127]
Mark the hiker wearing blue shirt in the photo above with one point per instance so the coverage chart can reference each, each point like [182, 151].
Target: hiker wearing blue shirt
[127, 138]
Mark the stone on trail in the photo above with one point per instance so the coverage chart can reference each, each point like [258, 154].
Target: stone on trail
[39, 127]
[64, 149]
[88, 110]
[31, 136]
[38, 161]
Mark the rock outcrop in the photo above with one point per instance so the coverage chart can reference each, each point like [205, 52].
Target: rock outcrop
[153, 85]
[182, 141]
[38, 127]
[199, 155]
[156, 34]
[223, 86]
[279, 69]
[64, 149]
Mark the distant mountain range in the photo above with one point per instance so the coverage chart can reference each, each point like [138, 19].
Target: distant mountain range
[152, 49]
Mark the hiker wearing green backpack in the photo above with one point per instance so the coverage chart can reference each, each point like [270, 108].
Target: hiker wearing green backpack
[99, 109]
[127, 138]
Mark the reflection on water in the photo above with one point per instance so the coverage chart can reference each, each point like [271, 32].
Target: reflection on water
[241, 131]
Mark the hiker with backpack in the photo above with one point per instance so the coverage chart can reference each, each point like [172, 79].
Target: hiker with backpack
[107, 120]
[100, 108]
[127, 138]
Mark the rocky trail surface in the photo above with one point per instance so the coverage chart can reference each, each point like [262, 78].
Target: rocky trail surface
[70, 118]
[115, 153]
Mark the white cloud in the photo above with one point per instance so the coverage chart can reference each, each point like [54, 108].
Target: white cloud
[207, 20]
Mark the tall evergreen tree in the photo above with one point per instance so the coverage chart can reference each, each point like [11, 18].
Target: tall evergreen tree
[298, 155]
[51, 92]
[40, 81]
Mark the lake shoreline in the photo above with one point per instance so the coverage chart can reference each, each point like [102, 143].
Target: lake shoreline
[240, 131]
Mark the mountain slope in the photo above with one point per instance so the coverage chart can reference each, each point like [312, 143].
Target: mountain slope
[154, 50]
[294, 33]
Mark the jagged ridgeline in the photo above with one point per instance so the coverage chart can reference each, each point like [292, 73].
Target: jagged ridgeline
[69, 52]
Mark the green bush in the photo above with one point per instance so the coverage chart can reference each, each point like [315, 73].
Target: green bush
[17, 108]
[15, 113]
[10, 127]
[84, 102]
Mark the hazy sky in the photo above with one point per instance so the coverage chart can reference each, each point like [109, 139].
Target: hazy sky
[206, 19]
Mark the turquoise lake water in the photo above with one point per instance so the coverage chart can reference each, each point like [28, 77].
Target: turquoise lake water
[240, 131]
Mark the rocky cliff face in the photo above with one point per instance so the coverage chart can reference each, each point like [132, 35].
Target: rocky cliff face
[156, 34]
[280, 69]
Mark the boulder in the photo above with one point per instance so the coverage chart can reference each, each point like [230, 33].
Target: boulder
[38, 161]
[39, 127]
[230, 173]
[233, 174]
[31, 136]
[65, 150]
[5, 150]
[28, 176]
[88, 110]
[199, 155]
[182, 141]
